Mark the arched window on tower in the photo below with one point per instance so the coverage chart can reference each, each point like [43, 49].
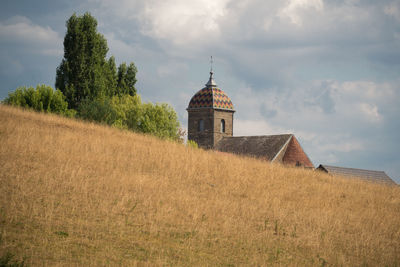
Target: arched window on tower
[222, 126]
[200, 126]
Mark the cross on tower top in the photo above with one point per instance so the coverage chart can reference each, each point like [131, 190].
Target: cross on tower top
[211, 82]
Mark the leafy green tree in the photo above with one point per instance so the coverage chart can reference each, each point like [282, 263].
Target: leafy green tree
[43, 99]
[122, 112]
[131, 79]
[98, 110]
[113, 78]
[160, 120]
[84, 71]
[126, 79]
[121, 84]
[128, 112]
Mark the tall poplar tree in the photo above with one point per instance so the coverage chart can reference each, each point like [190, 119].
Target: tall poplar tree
[126, 79]
[84, 71]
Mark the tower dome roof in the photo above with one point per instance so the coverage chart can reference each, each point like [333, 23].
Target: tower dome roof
[211, 97]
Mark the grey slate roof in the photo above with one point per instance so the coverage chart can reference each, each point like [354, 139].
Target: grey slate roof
[266, 146]
[376, 176]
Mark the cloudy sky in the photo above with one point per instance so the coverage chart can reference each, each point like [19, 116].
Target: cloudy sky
[326, 70]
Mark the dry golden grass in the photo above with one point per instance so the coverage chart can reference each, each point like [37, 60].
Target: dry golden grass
[73, 193]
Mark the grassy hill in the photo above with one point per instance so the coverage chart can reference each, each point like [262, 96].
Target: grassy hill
[74, 193]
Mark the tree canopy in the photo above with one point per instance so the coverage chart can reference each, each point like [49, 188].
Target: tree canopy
[42, 99]
[126, 79]
[91, 87]
[84, 72]
[128, 112]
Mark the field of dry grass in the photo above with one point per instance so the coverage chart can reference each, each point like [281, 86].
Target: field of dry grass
[74, 193]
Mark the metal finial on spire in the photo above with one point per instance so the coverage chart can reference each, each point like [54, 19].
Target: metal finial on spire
[211, 82]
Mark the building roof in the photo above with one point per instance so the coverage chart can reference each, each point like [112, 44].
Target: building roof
[266, 146]
[211, 97]
[377, 176]
[293, 154]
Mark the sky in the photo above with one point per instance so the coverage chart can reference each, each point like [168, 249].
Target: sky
[327, 71]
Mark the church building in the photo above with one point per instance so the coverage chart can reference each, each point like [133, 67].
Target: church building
[210, 125]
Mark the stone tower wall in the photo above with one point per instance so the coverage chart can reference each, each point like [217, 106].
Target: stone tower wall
[228, 117]
[203, 139]
[212, 126]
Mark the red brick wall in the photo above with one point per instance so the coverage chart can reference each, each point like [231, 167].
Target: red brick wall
[295, 155]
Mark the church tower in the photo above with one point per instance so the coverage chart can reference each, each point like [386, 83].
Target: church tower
[210, 115]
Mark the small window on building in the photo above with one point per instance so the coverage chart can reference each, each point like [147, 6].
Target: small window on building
[298, 164]
[200, 126]
[222, 126]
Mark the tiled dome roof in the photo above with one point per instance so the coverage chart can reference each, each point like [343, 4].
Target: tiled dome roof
[211, 97]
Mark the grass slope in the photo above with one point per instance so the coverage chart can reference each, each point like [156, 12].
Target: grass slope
[74, 193]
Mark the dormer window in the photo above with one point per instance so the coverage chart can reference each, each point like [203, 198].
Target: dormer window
[200, 126]
[222, 126]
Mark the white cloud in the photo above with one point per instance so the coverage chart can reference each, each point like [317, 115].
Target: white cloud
[254, 127]
[198, 25]
[393, 9]
[324, 110]
[340, 146]
[356, 100]
[364, 102]
[370, 112]
[366, 90]
[118, 45]
[172, 68]
[350, 128]
[330, 159]
[20, 30]
[126, 52]
[181, 21]
[294, 10]
[126, 9]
